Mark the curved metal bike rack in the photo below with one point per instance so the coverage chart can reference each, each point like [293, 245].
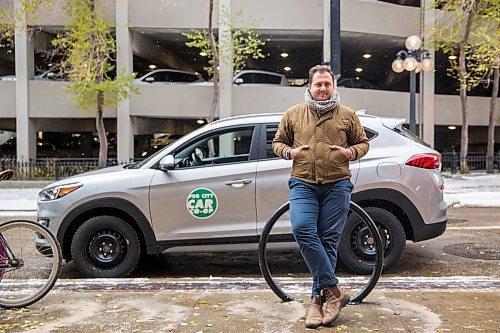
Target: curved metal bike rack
[358, 298]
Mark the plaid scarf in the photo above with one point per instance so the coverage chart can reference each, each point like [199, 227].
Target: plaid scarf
[322, 107]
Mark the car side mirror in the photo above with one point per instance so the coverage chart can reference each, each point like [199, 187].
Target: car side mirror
[238, 81]
[149, 79]
[167, 163]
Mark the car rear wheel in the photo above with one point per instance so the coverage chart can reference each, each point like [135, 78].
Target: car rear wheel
[105, 246]
[357, 249]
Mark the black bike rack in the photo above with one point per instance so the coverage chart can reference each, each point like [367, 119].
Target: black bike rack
[354, 208]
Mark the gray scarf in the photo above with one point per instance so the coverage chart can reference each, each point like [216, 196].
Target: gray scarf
[322, 107]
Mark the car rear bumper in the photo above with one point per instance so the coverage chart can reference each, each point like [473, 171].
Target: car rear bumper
[428, 231]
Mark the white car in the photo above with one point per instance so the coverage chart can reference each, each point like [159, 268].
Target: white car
[215, 188]
[168, 76]
[244, 77]
[252, 76]
[54, 73]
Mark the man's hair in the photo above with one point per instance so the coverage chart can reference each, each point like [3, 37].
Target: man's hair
[321, 69]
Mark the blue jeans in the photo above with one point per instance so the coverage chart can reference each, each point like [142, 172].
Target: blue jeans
[318, 213]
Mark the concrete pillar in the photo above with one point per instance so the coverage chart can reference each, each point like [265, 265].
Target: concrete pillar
[226, 59]
[25, 127]
[124, 61]
[427, 80]
[326, 32]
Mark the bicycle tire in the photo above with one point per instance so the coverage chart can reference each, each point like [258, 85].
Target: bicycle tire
[39, 262]
[354, 208]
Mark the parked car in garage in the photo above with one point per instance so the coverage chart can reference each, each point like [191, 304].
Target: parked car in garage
[54, 73]
[215, 188]
[168, 76]
[252, 76]
[356, 82]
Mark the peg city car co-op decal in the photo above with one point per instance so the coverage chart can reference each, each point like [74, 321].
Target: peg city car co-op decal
[201, 203]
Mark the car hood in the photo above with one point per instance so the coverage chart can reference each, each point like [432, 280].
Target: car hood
[78, 177]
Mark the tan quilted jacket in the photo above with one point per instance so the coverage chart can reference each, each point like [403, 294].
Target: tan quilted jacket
[320, 164]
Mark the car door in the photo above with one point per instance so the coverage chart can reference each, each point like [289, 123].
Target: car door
[211, 192]
[273, 174]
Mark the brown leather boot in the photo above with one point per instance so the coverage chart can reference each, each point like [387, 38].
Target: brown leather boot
[332, 305]
[315, 314]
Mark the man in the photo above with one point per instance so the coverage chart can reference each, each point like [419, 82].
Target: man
[321, 136]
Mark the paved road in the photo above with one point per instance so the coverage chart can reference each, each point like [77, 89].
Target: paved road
[430, 290]
[428, 258]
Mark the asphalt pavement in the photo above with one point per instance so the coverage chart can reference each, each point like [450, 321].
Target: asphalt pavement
[430, 290]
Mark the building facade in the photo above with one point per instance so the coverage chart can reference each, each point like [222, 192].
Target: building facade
[38, 118]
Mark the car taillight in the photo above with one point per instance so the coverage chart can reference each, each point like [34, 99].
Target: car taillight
[426, 161]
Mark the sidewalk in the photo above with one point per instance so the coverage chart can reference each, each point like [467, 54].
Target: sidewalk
[200, 310]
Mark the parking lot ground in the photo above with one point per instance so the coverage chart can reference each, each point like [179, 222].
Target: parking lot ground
[430, 290]
[90, 306]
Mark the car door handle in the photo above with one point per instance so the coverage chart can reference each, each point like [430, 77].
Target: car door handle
[238, 182]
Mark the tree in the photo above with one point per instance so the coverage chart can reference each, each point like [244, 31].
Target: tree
[467, 26]
[246, 44]
[8, 20]
[485, 62]
[88, 47]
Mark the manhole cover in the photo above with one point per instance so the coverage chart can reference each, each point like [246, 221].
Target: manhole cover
[483, 251]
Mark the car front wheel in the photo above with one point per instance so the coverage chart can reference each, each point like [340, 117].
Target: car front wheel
[357, 246]
[105, 246]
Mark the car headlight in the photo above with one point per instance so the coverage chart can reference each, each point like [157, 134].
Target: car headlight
[57, 192]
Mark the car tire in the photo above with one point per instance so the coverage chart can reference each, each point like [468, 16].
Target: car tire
[105, 246]
[358, 255]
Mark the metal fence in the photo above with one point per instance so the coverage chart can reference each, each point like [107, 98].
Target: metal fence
[53, 168]
[475, 162]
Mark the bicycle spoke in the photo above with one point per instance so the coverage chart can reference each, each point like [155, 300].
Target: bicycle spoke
[33, 258]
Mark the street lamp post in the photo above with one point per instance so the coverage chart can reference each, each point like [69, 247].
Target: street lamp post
[415, 60]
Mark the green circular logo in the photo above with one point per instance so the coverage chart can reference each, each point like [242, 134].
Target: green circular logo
[201, 203]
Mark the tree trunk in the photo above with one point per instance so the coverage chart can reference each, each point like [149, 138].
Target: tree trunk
[99, 118]
[215, 52]
[490, 152]
[462, 74]
[101, 132]
[464, 139]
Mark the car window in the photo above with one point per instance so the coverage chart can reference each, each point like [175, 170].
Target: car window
[370, 134]
[260, 78]
[158, 77]
[271, 130]
[224, 147]
[182, 77]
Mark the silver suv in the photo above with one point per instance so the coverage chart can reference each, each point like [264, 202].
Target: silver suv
[216, 187]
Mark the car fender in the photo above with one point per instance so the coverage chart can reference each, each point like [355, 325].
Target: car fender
[100, 207]
[414, 221]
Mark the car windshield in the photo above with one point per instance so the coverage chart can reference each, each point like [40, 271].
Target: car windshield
[139, 164]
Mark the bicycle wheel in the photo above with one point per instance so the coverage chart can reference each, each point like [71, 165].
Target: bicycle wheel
[283, 235]
[30, 258]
